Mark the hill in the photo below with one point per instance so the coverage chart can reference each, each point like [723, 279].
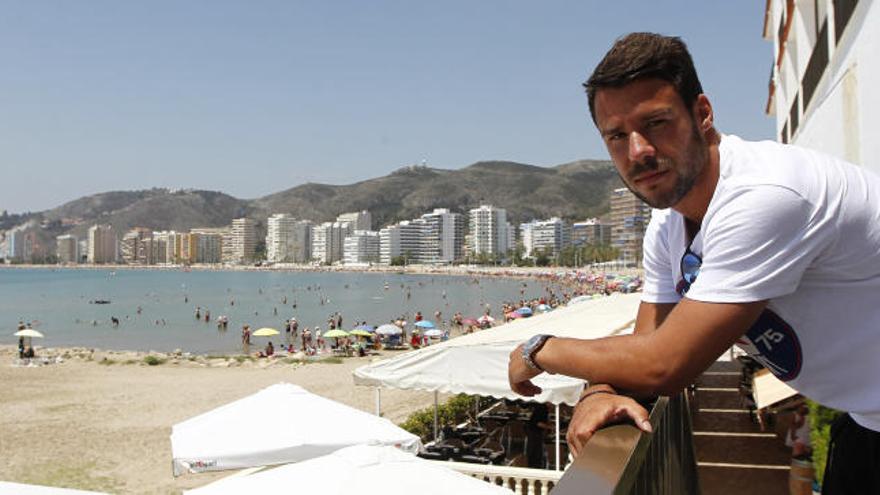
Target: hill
[573, 191]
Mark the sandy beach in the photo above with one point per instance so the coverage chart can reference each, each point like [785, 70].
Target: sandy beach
[105, 426]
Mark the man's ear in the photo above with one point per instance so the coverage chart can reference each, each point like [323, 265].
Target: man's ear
[704, 116]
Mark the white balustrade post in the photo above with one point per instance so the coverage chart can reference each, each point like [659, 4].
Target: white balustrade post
[558, 450]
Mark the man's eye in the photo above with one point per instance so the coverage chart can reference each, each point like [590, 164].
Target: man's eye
[616, 136]
[656, 123]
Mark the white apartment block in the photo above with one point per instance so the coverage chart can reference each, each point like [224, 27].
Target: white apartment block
[102, 244]
[824, 76]
[405, 239]
[15, 244]
[489, 230]
[361, 247]
[327, 241]
[549, 236]
[288, 240]
[359, 220]
[389, 244]
[242, 241]
[590, 232]
[67, 249]
[444, 237]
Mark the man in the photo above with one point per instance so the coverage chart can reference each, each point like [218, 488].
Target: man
[770, 247]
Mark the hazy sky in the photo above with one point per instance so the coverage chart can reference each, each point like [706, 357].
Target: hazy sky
[253, 97]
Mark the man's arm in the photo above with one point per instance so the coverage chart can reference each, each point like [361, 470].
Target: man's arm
[651, 315]
[689, 339]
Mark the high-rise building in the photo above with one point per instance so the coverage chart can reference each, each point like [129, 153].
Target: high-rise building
[547, 236]
[173, 247]
[327, 241]
[66, 247]
[359, 220]
[590, 232]
[489, 231]
[242, 241]
[444, 237]
[102, 244]
[389, 244]
[629, 219]
[15, 244]
[361, 247]
[137, 246]
[288, 240]
[208, 245]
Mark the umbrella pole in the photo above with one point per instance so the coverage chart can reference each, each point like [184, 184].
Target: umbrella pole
[557, 438]
[378, 402]
[435, 416]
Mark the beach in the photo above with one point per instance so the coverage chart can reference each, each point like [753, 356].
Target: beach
[83, 424]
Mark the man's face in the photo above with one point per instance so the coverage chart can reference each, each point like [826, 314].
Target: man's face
[653, 140]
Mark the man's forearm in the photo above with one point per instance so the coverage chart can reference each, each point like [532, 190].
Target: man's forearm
[625, 362]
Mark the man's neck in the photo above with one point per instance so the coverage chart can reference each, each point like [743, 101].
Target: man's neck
[695, 203]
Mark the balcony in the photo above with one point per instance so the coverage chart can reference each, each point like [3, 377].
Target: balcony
[619, 460]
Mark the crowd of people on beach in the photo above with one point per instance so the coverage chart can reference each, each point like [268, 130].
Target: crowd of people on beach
[555, 289]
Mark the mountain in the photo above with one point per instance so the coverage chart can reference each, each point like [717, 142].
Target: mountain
[575, 190]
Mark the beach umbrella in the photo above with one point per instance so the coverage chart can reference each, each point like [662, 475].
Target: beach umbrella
[265, 332]
[360, 333]
[335, 334]
[425, 324]
[389, 329]
[361, 469]
[28, 332]
[235, 436]
[525, 311]
[368, 328]
[544, 308]
[434, 332]
[486, 319]
[469, 321]
[513, 315]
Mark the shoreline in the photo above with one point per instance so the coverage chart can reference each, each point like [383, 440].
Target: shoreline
[514, 272]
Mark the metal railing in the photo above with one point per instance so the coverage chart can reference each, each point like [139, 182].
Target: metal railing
[620, 460]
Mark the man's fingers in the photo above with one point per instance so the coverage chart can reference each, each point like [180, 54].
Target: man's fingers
[639, 415]
[577, 439]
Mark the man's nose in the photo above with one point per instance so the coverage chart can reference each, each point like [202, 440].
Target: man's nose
[639, 148]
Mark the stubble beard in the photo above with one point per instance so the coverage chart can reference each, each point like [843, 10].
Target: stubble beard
[695, 158]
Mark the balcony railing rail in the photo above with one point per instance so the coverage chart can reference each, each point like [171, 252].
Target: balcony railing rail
[620, 460]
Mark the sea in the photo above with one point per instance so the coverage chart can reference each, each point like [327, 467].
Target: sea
[156, 308]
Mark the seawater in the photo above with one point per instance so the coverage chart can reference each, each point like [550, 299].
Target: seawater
[156, 308]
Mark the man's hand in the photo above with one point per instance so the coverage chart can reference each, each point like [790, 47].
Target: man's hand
[520, 374]
[596, 411]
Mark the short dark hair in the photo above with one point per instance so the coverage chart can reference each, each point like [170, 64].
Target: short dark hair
[646, 55]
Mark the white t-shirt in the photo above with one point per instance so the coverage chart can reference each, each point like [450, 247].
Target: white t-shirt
[802, 230]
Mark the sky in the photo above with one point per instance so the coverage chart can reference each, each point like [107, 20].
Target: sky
[254, 97]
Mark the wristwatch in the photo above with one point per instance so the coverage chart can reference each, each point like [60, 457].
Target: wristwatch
[531, 348]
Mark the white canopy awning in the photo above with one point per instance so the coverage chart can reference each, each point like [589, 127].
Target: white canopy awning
[244, 433]
[769, 390]
[364, 470]
[477, 363]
